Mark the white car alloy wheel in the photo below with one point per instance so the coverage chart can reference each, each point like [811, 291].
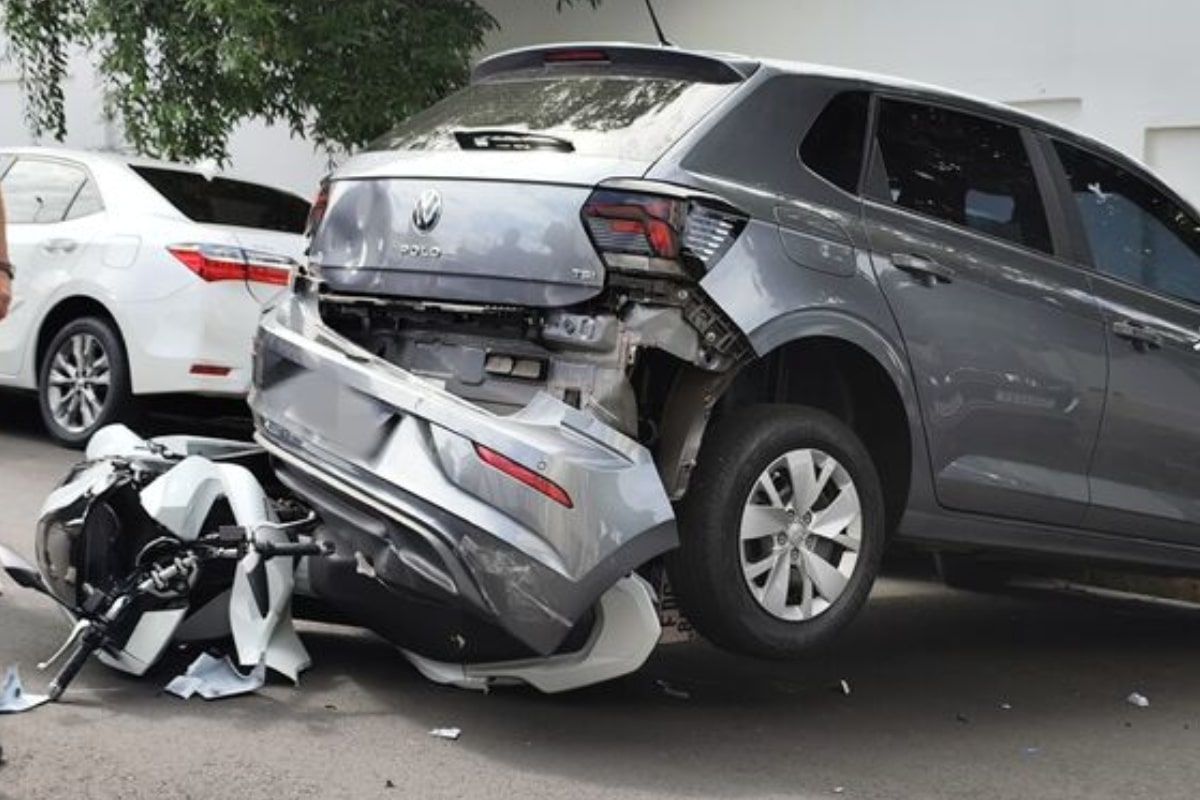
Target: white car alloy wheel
[79, 380]
[800, 536]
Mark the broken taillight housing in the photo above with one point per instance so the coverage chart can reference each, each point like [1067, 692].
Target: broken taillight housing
[649, 232]
[316, 212]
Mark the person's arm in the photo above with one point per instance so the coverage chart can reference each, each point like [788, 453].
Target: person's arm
[5, 277]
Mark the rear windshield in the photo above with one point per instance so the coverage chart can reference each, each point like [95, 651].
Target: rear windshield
[222, 201]
[633, 117]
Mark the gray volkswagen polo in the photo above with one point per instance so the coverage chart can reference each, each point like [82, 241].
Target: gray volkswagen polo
[733, 324]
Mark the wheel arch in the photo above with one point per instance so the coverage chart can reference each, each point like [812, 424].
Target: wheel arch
[62, 313]
[872, 391]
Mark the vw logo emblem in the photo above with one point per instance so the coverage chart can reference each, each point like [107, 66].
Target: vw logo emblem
[428, 210]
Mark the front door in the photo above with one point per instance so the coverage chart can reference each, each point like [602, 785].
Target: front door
[1145, 246]
[1005, 342]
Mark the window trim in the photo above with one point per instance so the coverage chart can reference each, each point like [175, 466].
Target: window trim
[1083, 247]
[66, 162]
[868, 131]
[875, 182]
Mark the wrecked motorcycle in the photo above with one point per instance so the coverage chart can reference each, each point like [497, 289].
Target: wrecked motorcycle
[152, 542]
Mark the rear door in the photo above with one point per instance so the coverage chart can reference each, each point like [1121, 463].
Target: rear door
[53, 210]
[1005, 342]
[1145, 246]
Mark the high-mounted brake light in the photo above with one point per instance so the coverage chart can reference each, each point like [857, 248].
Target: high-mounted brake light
[219, 262]
[525, 475]
[643, 232]
[574, 56]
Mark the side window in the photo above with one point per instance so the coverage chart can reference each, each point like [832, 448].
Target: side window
[40, 191]
[963, 169]
[1135, 232]
[87, 202]
[5, 163]
[833, 147]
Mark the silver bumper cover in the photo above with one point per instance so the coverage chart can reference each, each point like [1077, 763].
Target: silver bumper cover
[390, 461]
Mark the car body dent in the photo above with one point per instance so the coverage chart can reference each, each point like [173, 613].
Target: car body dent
[361, 426]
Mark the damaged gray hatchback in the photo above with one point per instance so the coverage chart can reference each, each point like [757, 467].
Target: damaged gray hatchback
[725, 323]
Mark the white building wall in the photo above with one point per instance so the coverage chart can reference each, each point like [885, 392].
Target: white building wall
[1118, 70]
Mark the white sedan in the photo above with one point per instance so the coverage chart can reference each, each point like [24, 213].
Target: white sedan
[135, 277]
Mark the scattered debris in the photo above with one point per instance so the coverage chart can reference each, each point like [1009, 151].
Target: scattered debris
[213, 679]
[390, 784]
[673, 691]
[845, 686]
[13, 697]
[839, 789]
[1128, 724]
[963, 718]
[1032, 751]
[1137, 699]
[1005, 707]
[447, 733]
[330, 707]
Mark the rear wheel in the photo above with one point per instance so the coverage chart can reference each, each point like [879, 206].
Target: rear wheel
[83, 381]
[781, 532]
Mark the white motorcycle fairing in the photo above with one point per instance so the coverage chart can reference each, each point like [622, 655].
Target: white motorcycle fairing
[181, 499]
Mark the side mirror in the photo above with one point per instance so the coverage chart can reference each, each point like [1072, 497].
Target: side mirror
[21, 571]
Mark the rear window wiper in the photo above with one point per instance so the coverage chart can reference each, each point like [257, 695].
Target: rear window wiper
[511, 140]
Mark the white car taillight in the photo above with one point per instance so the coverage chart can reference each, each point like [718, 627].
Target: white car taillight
[220, 262]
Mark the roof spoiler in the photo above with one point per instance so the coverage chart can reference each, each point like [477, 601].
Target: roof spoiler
[656, 61]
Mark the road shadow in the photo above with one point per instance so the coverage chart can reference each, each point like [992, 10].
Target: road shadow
[156, 416]
[988, 688]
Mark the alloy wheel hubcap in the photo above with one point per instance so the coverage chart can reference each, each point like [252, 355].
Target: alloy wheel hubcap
[79, 381]
[801, 532]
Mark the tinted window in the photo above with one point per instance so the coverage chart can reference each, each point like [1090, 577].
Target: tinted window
[87, 202]
[40, 191]
[607, 115]
[222, 201]
[1135, 232]
[834, 145]
[962, 169]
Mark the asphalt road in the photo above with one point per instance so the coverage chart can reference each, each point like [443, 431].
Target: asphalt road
[953, 695]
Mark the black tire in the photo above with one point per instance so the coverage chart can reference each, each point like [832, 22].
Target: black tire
[964, 571]
[706, 571]
[113, 400]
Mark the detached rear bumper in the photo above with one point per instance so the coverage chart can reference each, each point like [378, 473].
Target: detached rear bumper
[389, 460]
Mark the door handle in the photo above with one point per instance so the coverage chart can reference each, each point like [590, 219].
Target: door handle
[60, 245]
[1139, 334]
[928, 270]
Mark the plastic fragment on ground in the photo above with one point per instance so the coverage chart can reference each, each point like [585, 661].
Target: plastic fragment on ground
[1137, 699]
[13, 697]
[447, 733]
[672, 691]
[213, 679]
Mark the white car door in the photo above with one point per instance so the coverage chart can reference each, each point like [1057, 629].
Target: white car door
[52, 208]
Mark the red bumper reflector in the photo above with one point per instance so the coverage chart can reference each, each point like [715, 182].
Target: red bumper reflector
[525, 475]
[210, 369]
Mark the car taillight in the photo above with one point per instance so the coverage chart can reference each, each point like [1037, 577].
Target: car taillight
[219, 262]
[524, 474]
[644, 232]
[317, 211]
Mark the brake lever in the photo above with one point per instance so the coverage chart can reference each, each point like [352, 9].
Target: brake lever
[80, 628]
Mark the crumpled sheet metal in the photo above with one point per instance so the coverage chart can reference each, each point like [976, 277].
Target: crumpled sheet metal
[214, 678]
[13, 697]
